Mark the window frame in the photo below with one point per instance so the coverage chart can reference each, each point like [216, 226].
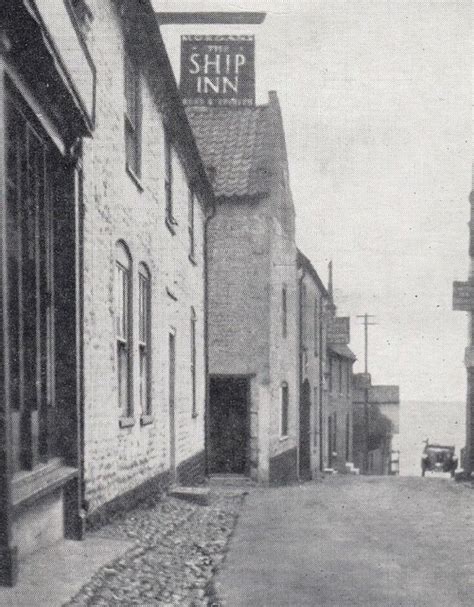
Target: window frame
[123, 334]
[284, 410]
[133, 123]
[144, 341]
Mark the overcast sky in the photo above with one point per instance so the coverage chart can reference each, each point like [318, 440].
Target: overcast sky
[376, 100]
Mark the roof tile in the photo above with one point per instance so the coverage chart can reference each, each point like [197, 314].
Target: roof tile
[235, 147]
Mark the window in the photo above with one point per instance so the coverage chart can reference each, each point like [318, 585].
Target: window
[340, 376]
[284, 312]
[169, 180]
[331, 365]
[123, 329]
[193, 362]
[284, 409]
[133, 117]
[334, 429]
[316, 327]
[144, 335]
[191, 203]
[348, 379]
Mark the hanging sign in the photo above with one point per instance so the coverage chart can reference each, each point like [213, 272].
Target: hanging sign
[218, 71]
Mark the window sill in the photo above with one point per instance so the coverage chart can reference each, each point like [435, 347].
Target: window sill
[134, 177]
[146, 420]
[171, 225]
[195, 415]
[126, 422]
[192, 260]
[284, 438]
[31, 485]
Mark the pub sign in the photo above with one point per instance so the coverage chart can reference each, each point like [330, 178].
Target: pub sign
[218, 71]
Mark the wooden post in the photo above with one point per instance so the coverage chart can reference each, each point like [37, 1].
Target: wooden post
[8, 553]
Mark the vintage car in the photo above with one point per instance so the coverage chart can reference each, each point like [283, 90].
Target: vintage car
[438, 458]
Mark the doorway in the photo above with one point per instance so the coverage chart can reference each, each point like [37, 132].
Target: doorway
[229, 425]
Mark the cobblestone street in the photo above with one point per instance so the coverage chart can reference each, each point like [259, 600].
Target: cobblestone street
[178, 546]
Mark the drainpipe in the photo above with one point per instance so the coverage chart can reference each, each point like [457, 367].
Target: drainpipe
[210, 215]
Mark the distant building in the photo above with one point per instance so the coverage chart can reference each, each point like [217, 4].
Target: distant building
[337, 405]
[253, 293]
[463, 300]
[314, 298]
[376, 426]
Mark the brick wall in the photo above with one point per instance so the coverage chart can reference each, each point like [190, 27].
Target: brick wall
[239, 283]
[119, 459]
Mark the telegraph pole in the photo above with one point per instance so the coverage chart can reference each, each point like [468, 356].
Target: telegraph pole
[366, 322]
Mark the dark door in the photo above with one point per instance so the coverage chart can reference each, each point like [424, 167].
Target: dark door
[305, 431]
[229, 425]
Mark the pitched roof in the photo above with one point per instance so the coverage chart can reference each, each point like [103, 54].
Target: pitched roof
[343, 351]
[305, 263]
[235, 147]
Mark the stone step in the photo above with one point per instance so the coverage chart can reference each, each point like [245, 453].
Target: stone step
[231, 480]
[196, 495]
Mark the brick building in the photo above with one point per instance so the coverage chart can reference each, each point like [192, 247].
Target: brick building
[146, 196]
[102, 274]
[314, 299]
[253, 293]
[337, 397]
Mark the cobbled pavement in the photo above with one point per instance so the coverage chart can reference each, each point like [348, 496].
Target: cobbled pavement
[178, 548]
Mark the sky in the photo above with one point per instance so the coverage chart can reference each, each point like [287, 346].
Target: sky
[376, 102]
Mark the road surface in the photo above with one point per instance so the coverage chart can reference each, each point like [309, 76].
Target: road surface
[358, 541]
